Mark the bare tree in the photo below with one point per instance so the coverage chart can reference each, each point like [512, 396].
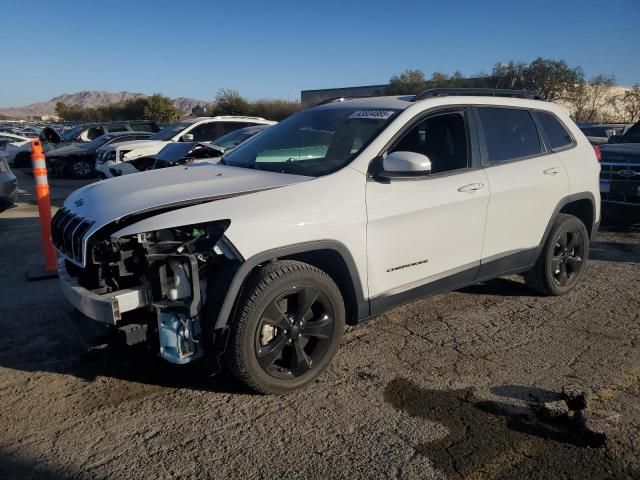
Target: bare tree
[590, 99]
[630, 104]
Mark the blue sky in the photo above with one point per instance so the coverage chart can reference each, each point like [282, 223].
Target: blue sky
[274, 49]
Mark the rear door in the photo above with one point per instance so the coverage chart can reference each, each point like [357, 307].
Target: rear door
[527, 182]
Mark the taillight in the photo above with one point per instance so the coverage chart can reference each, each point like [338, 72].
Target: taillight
[598, 152]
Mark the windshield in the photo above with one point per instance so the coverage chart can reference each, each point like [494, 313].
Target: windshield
[235, 138]
[70, 135]
[169, 132]
[313, 142]
[96, 143]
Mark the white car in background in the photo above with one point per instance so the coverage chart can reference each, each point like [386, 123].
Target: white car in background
[13, 144]
[142, 153]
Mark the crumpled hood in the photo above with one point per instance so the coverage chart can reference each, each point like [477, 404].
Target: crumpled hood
[109, 200]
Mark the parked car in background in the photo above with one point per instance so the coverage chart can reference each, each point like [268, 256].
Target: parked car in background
[598, 134]
[338, 213]
[85, 132]
[78, 160]
[142, 154]
[181, 153]
[12, 144]
[620, 177]
[8, 184]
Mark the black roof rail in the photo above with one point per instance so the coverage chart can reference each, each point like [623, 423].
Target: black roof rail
[477, 92]
[337, 99]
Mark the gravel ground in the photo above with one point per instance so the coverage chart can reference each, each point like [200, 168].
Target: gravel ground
[435, 389]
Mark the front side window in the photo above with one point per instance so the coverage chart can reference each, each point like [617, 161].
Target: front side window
[94, 132]
[556, 133]
[510, 133]
[312, 142]
[442, 138]
[205, 132]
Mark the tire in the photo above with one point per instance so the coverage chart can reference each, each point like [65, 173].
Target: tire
[276, 343]
[81, 169]
[22, 160]
[563, 259]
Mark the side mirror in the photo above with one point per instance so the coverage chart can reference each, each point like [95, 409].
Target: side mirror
[400, 165]
[187, 137]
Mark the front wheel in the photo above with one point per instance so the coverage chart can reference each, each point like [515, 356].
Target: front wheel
[563, 258]
[288, 328]
[81, 169]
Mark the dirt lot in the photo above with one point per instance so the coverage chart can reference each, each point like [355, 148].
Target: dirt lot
[435, 389]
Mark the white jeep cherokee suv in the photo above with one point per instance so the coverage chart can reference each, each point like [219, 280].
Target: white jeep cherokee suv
[136, 156]
[334, 215]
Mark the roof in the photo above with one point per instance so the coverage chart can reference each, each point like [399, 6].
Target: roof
[403, 102]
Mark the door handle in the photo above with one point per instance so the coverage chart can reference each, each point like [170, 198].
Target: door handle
[471, 187]
[552, 171]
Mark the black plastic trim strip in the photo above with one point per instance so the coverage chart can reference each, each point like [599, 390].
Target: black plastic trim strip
[270, 255]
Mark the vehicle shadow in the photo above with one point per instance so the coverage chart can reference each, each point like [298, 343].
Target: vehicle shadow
[501, 438]
[504, 287]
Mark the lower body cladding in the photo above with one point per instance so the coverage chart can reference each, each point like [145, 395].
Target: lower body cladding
[177, 317]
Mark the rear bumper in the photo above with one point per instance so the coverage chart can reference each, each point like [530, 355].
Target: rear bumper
[106, 308]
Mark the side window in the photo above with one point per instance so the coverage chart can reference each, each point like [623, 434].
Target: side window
[94, 132]
[205, 132]
[557, 135]
[443, 138]
[142, 127]
[117, 128]
[231, 126]
[510, 133]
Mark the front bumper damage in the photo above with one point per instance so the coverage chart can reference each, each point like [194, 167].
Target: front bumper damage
[178, 326]
[107, 308]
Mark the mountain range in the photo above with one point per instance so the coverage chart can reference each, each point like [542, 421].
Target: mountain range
[90, 99]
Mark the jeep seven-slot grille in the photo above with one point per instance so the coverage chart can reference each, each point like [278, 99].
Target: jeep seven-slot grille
[67, 232]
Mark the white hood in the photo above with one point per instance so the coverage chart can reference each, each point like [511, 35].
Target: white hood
[109, 200]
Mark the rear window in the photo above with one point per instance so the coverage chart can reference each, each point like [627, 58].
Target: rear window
[510, 133]
[633, 135]
[557, 134]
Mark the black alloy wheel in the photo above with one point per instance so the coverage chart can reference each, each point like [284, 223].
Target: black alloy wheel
[295, 331]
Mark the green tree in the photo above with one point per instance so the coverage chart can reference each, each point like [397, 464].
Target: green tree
[274, 109]
[230, 102]
[553, 79]
[408, 82]
[160, 109]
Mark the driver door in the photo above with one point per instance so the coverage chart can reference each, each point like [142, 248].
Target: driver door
[425, 232]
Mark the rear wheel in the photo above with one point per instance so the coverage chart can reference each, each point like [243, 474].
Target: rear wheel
[563, 258]
[288, 329]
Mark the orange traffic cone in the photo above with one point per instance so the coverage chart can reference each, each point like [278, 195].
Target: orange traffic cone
[44, 211]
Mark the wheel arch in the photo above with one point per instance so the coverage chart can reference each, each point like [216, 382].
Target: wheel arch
[582, 206]
[330, 256]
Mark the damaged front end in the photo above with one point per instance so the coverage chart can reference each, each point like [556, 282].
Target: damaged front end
[156, 284]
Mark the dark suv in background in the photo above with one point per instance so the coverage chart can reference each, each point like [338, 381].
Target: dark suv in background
[620, 177]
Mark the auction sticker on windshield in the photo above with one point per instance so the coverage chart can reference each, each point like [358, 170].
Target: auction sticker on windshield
[374, 114]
